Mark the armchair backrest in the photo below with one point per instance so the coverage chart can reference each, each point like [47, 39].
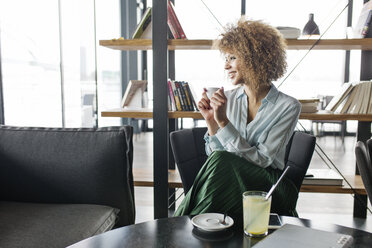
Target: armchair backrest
[299, 152]
[363, 158]
[189, 154]
[68, 165]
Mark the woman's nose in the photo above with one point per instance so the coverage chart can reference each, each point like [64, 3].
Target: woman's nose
[227, 65]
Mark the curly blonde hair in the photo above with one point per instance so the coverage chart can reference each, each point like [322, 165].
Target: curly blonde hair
[260, 48]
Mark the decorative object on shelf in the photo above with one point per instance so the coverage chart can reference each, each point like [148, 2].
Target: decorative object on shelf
[120, 38]
[289, 32]
[134, 94]
[311, 28]
[309, 105]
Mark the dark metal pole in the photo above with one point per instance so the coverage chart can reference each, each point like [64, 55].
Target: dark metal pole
[128, 15]
[242, 10]
[161, 136]
[347, 53]
[171, 122]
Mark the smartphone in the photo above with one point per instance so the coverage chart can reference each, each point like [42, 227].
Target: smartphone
[274, 221]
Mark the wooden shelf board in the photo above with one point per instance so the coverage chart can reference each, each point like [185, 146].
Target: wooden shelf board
[143, 177]
[147, 114]
[293, 44]
[355, 181]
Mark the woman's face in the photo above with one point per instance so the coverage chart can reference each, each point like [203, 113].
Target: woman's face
[232, 66]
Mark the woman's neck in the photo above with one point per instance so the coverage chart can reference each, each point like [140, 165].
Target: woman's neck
[255, 96]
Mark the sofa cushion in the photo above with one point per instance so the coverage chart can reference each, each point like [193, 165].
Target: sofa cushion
[52, 225]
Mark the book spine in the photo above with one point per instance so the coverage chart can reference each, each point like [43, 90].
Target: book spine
[188, 98]
[192, 97]
[176, 21]
[367, 24]
[181, 96]
[176, 96]
[171, 96]
[171, 24]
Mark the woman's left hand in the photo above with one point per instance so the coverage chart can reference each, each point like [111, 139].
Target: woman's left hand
[218, 104]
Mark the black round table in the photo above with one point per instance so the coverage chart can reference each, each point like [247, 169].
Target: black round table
[179, 232]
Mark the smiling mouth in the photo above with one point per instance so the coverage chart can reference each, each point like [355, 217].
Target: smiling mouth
[232, 74]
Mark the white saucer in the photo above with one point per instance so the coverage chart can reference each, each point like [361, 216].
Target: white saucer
[210, 222]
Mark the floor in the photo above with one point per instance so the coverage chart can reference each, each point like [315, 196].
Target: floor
[331, 208]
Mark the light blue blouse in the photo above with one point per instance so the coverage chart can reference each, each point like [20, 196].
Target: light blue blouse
[263, 141]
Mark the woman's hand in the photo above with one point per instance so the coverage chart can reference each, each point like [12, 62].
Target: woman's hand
[205, 107]
[207, 113]
[218, 102]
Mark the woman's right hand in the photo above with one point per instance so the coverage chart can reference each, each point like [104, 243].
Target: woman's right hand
[205, 107]
[207, 113]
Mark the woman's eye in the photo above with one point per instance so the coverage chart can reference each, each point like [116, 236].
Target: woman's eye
[229, 58]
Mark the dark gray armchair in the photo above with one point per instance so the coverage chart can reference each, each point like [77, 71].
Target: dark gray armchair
[59, 185]
[363, 156]
[189, 154]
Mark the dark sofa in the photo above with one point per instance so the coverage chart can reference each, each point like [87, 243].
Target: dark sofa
[59, 186]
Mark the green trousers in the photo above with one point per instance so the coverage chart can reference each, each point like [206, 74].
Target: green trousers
[219, 186]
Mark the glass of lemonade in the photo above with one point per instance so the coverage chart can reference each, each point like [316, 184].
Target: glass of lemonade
[256, 212]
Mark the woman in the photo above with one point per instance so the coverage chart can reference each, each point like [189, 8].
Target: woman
[248, 127]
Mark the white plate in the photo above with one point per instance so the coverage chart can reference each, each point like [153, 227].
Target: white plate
[210, 222]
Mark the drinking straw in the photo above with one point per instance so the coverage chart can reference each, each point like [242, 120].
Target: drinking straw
[276, 184]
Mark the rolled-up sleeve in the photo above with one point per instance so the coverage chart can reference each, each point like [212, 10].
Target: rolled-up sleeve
[212, 144]
[269, 143]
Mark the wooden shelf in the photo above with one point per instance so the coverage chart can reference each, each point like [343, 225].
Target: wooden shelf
[147, 114]
[293, 44]
[143, 177]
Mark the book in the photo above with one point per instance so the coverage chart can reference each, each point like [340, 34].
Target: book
[192, 100]
[348, 100]
[361, 29]
[172, 26]
[322, 177]
[171, 96]
[339, 97]
[367, 24]
[188, 97]
[144, 27]
[293, 236]
[176, 96]
[133, 96]
[182, 96]
[175, 19]
[193, 95]
[358, 100]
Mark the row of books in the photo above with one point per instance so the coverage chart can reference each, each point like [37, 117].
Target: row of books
[144, 27]
[180, 97]
[353, 98]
